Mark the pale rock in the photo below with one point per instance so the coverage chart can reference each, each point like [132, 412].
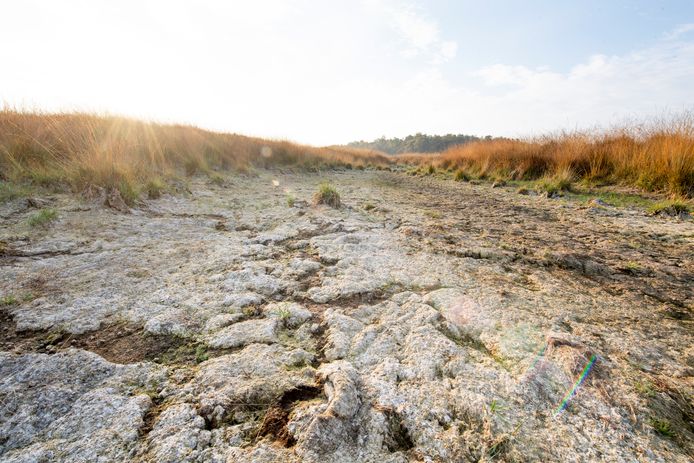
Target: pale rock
[244, 333]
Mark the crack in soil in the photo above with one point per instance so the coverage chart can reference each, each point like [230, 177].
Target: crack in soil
[117, 343]
[277, 416]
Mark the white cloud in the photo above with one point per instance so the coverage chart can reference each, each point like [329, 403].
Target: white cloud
[420, 35]
[601, 90]
[680, 30]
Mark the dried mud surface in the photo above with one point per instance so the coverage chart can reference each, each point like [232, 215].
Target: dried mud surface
[425, 320]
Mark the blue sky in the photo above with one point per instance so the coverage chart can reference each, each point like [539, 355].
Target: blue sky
[559, 33]
[332, 71]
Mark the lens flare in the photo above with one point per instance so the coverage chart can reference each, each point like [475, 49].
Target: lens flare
[538, 356]
[575, 387]
[266, 152]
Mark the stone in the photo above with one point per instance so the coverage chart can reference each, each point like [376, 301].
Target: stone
[242, 300]
[71, 406]
[222, 320]
[290, 314]
[244, 333]
[255, 279]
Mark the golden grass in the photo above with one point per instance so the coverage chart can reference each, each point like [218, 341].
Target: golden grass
[80, 150]
[655, 157]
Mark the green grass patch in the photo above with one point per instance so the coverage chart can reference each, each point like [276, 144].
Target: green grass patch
[43, 217]
[645, 388]
[7, 300]
[291, 200]
[217, 179]
[662, 427]
[613, 198]
[155, 188]
[461, 176]
[553, 186]
[670, 207]
[10, 191]
[201, 353]
[128, 192]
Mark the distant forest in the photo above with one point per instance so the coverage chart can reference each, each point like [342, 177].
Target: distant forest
[419, 143]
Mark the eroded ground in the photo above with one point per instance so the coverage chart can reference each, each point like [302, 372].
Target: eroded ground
[424, 321]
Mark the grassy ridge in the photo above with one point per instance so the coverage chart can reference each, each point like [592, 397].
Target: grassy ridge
[658, 157]
[81, 150]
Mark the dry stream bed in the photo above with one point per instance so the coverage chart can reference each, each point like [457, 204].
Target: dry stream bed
[425, 320]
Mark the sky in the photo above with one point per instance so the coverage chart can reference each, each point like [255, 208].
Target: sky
[330, 71]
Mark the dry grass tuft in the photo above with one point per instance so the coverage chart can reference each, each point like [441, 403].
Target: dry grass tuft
[76, 151]
[658, 156]
[327, 194]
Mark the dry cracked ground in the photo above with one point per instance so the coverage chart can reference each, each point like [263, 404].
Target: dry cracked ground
[424, 320]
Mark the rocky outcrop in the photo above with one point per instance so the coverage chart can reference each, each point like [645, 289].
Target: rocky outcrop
[444, 324]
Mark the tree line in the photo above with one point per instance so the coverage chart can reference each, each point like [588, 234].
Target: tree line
[419, 143]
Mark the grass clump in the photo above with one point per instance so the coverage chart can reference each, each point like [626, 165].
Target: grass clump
[217, 179]
[645, 388]
[8, 192]
[662, 427]
[553, 187]
[461, 176]
[328, 195]
[558, 183]
[670, 207]
[43, 217]
[128, 192]
[155, 187]
[201, 354]
[291, 200]
[8, 300]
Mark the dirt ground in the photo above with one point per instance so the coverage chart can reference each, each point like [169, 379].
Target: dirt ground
[424, 320]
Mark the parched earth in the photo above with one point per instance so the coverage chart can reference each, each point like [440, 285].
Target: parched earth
[425, 320]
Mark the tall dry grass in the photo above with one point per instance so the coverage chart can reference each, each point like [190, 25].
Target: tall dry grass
[79, 150]
[658, 156]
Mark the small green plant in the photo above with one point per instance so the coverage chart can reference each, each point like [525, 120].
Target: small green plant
[10, 191]
[43, 217]
[632, 267]
[670, 207]
[201, 353]
[431, 170]
[217, 179]
[128, 192]
[662, 427]
[496, 407]
[155, 188]
[461, 176]
[283, 314]
[8, 299]
[327, 194]
[645, 388]
[553, 186]
[369, 207]
[433, 214]
[497, 447]
[250, 311]
[291, 200]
